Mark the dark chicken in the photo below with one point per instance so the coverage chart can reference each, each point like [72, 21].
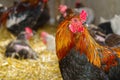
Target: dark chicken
[20, 48]
[97, 33]
[25, 13]
[73, 64]
[106, 27]
[110, 26]
[112, 40]
[100, 37]
[43, 18]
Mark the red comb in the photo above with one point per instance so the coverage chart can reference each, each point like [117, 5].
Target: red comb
[83, 16]
[28, 30]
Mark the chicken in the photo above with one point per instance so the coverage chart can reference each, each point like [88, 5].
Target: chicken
[97, 33]
[48, 40]
[44, 16]
[112, 40]
[111, 26]
[103, 57]
[25, 13]
[106, 27]
[75, 63]
[20, 48]
[100, 37]
[64, 11]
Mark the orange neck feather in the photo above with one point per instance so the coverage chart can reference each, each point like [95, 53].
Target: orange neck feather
[64, 39]
[96, 54]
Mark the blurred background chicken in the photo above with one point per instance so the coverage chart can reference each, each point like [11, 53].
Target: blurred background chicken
[25, 13]
[48, 40]
[64, 12]
[110, 26]
[102, 38]
[20, 48]
[97, 33]
[112, 40]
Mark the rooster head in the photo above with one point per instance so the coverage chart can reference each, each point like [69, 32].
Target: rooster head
[76, 24]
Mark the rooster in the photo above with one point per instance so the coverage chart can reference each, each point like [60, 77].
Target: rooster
[103, 57]
[24, 13]
[75, 62]
[20, 48]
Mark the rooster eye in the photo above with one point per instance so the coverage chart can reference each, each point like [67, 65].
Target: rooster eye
[75, 20]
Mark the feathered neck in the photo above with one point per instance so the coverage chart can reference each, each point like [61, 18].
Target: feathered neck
[86, 44]
[100, 56]
[64, 39]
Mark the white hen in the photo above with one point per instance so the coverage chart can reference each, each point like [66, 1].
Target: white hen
[48, 40]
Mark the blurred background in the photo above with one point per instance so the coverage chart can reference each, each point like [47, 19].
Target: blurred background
[104, 8]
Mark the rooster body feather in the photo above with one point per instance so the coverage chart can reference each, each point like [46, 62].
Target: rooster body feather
[76, 67]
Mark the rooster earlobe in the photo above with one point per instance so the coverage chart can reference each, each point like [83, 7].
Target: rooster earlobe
[83, 16]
